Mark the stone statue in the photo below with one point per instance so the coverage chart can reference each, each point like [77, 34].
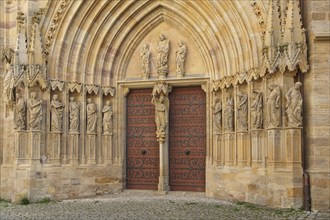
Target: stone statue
[35, 108]
[229, 114]
[273, 106]
[217, 111]
[20, 112]
[294, 105]
[256, 109]
[91, 116]
[8, 85]
[107, 118]
[180, 59]
[145, 59]
[242, 108]
[7, 57]
[163, 48]
[161, 115]
[56, 108]
[74, 114]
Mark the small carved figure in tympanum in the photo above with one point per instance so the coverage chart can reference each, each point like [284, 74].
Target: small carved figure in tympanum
[35, 109]
[180, 59]
[91, 116]
[294, 105]
[145, 61]
[163, 49]
[56, 108]
[273, 106]
[229, 114]
[217, 111]
[74, 113]
[107, 118]
[20, 112]
[242, 111]
[256, 109]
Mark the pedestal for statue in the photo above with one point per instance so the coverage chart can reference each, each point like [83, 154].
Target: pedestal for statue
[218, 150]
[73, 147]
[91, 148]
[258, 147]
[243, 149]
[22, 153]
[274, 146]
[55, 148]
[163, 184]
[293, 148]
[107, 146]
[34, 146]
[230, 150]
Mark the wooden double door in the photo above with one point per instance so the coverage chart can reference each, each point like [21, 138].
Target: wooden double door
[187, 140]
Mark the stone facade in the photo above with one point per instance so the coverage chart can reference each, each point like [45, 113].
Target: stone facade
[69, 65]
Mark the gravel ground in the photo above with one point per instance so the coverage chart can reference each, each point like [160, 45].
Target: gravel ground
[149, 205]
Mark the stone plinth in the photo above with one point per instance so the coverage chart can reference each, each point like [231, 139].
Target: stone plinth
[230, 150]
[55, 148]
[107, 146]
[258, 147]
[22, 153]
[275, 148]
[91, 148]
[73, 148]
[293, 148]
[243, 149]
[34, 146]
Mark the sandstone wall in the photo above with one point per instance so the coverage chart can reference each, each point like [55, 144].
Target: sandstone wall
[317, 96]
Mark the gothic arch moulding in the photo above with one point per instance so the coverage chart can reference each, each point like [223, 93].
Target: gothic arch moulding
[94, 41]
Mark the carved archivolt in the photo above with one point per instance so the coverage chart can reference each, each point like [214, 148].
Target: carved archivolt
[55, 22]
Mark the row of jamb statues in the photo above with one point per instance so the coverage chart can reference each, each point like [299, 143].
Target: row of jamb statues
[273, 109]
[35, 109]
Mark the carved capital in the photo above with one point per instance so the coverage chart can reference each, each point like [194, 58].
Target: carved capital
[92, 88]
[161, 87]
[57, 84]
[108, 90]
[74, 86]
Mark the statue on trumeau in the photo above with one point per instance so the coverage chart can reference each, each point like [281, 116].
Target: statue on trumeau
[20, 112]
[180, 59]
[273, 106]
[74, 114]
[35, 109]
[56, 108]
[161, 114]
[91, 116]
[229, 114]
[217, 111]
[294, 105]
[242, 110]
[256, 110]
[107, 118]
[163, 49]
[145, 61]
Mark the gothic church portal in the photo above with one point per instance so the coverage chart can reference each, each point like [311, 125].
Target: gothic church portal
[230, 98]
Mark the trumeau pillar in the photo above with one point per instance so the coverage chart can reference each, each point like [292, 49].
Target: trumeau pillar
[161, 101]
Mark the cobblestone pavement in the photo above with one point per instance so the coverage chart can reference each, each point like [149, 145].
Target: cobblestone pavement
[148, 205]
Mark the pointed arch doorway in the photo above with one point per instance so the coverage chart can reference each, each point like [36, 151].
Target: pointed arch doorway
[187, 140]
